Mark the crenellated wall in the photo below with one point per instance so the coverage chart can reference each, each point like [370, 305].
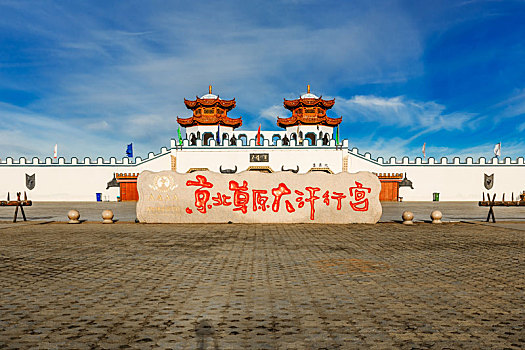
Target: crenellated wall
[244, 137]
[79, 180]
[297, 156]
[73, 180]
[86, 161]
[252, 142]
[454, 179]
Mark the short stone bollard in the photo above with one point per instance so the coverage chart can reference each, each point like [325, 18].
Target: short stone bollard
[407, 218]
[73, 216]
[107, 215]
[436, 216]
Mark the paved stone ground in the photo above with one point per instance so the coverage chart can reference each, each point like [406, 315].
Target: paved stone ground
[378, 286]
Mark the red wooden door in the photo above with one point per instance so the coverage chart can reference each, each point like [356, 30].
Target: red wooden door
[128, 191]
[389, 191]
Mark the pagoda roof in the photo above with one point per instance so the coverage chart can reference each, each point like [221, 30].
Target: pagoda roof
[305, 120]
[210, 120]
[308, 101]
[204, 101]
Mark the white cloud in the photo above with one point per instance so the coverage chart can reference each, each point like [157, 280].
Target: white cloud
[175, 58]
[29, 134]
[400, 147]
[378, 102]
[514, 106]
[98, 125]
[269, 115]
[110, 77]
[511, 149]
[402, 112]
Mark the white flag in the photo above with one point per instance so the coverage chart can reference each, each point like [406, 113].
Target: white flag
[423, 150]
[497, 150]
[56, 151]
[299, 135]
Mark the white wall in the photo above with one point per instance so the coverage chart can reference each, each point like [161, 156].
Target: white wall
[79, 180]
[453, 179]
[74, 180]
[304, 156]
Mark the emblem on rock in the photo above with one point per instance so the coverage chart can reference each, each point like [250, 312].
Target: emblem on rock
[30, 181]
[163, 183]
[489, 181]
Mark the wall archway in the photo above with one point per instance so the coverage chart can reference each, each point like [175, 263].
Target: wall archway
[207, 136]
[244, 139]
[311, 138]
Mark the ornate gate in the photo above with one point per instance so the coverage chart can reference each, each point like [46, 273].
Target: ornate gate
[389, 186]
[128, 187]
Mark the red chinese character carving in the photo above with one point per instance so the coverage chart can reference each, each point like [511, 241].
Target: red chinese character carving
[259, 201]
[312, 199]
[221, 200]
[240, 196]
[326, 197]
[201, 196]
[299, 199]
[359, 193]
[278, 192]
[338, 196]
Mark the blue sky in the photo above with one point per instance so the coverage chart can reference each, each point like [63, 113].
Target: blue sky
[94, 76]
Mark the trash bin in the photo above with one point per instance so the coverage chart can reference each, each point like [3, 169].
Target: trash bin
[435, 197]
[99, 197]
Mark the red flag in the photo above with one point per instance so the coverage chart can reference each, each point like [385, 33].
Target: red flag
[259, 136]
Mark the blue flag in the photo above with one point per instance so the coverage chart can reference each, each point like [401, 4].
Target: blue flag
[129, 150]
[218, 135]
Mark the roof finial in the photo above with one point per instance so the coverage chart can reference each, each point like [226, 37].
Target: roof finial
[308, 88]
[209, 89]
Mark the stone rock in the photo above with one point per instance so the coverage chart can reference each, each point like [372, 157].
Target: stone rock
[255, 197]
[73, 216]
[408, 218]
[436, 216]
[107, 215]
